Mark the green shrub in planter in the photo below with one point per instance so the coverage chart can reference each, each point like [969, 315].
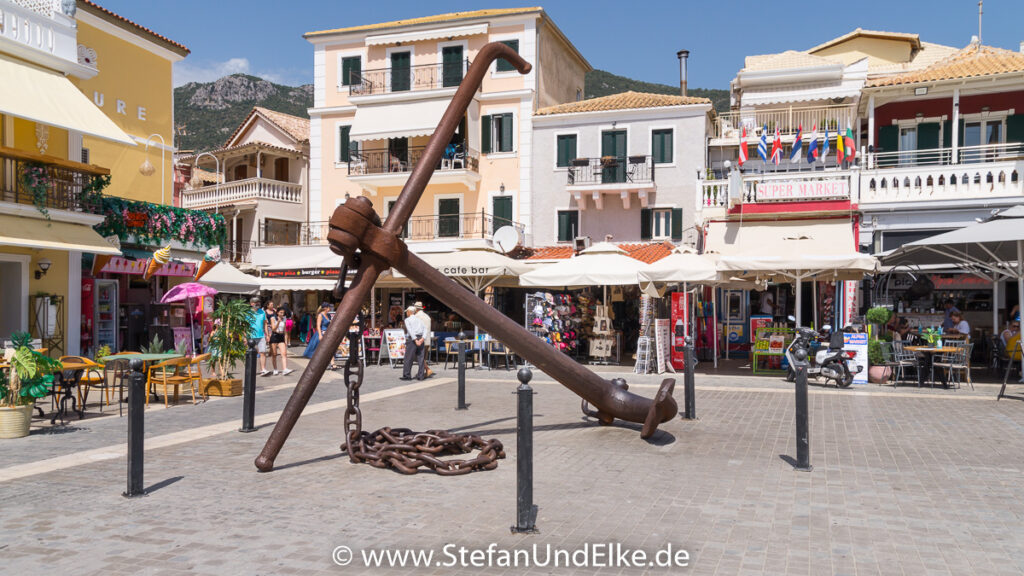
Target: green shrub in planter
[879, 315]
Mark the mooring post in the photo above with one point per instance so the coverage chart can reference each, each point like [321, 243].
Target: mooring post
[689, 393]
[462, 371]
[249, 389]
[526, 512]
[136, 429]
[803, 432]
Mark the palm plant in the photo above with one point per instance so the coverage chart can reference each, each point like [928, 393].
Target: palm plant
[228, 341]
[31, 375]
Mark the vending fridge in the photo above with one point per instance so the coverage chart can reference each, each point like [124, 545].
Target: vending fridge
[105, 314]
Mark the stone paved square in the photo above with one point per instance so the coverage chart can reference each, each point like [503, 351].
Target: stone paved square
[904, 482]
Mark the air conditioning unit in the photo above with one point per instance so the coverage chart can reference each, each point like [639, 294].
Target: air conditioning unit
[581, 243]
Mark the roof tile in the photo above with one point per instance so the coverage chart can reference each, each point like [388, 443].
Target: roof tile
[622, 101]
[428, 20]
[294, 126]
[644, 252]
[139, 27]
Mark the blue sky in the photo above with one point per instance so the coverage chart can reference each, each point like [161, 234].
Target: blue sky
[632, 38]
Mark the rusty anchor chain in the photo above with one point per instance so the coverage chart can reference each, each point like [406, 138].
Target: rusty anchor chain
[402, 449]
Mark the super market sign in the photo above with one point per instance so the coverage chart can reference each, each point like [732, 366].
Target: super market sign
[800, 190]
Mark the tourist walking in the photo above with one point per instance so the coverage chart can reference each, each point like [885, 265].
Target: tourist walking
[258, 332]
[414, 340]
[323, 320]
[278, 341]
[428, 336]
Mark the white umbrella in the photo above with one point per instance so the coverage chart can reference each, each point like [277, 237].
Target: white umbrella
[227, 279]
[603, 264]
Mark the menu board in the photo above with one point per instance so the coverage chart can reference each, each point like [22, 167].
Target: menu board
[858, 344]
[663, 345]
[395, 340]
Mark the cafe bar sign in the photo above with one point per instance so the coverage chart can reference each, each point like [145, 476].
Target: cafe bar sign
[802, 190]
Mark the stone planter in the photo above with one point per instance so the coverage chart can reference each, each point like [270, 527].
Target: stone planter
[879, 374]
[14, 422]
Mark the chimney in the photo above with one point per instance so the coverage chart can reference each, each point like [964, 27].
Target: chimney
[683, 56]
[1022, 47]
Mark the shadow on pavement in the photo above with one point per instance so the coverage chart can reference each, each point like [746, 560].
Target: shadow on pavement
[162, 484]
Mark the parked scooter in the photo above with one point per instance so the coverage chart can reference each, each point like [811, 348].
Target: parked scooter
[832, 363]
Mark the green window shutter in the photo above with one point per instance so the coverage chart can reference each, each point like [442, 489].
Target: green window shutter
[1015, 128]
[947, 134]
[504, 65]
[346, 145]
[661, 146]
[451, 57]
[351, 69]
[645, 223]
[566, 150]
[485, 134]
[888, 141]
[927, 135]
[506, 133]
[677, 224]
[501, 212]
[568, 225]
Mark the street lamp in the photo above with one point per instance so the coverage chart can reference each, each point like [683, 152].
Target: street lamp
[216, 180]
[146, 169]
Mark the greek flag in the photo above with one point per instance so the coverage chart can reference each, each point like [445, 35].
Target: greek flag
[762, 145]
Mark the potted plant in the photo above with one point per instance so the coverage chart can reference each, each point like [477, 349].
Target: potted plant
[228, 344]
[878, 317]
[30, 377]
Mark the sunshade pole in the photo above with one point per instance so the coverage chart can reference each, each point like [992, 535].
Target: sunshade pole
[373, 308]
[1020, 288]
[799, 286]
[714, 322]
[995, 305]
[814, 302]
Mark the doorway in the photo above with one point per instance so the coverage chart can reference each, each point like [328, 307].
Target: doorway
[14, 287]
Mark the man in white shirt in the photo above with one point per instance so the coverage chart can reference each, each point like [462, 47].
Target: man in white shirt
[427, 337]
[415, 333]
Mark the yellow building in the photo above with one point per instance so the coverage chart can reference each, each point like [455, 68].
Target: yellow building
[83, 89]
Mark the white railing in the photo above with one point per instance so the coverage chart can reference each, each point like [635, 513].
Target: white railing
[949, 182]
[712, 194]
[729, 124]
[715, 193]
[944, 156]
[40, 25]
[239, 190]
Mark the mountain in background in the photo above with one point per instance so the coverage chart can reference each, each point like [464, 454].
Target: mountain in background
[600, 83]
[207, 113]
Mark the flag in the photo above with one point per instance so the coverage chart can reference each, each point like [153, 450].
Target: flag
[798, 144]
[762, 145]
[743, 146]
[824, 147]
[840, 152]
[812, 148]
[777, 148]
[848, 144]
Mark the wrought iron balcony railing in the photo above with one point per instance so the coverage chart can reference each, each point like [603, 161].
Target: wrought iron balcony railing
[383, 161]
[27, 178]
[611, 170]
[407, 78]
[238, 251]
[432, 227]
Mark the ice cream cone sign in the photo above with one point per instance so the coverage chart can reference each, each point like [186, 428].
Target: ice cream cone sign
[159, 259]
[210, 259]
[99, 261]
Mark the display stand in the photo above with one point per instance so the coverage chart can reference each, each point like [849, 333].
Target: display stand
[48, 322]
[643, 356]
[769, 347]
[394, 345]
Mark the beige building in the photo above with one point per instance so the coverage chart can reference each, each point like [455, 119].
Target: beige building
[380, 90]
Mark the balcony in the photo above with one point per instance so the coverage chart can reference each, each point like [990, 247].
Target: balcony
[622, 175]
[433, 227]
[374, 168]
[407, 79]
[39, 31]
[241, 191]
[979, 172]
[63, 180]
[238, 252]
[728, 125]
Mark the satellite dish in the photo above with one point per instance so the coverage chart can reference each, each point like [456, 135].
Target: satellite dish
[507, 238]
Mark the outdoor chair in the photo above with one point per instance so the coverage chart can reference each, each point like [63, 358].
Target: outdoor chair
[889, 360]
[116, 374]
[172, 372]
[373, 351]
[999, 357]
[496, 349]
[957, 364]
[904, 359]
[92, 377]
[451, 352]
[195, 375]
[1013, 359]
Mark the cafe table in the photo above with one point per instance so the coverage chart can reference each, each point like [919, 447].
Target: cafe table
[68, 386]
[146, 359]
[926, 360]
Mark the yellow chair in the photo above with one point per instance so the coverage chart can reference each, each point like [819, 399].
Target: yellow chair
[195, 375]
[172, 372]
[92, 377]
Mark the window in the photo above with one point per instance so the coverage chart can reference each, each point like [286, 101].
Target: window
[908, 145]
[347, 148]
[496, 133]
[85, 156]
[504, 65]
[401, 69]
[579, 94]
[661, 146]
[241, 172]
[451, 64]
[281, 169]
[448, 217]
[568, 225]
[661, 223]
[566, 144]
[501, 207]
[351, 70]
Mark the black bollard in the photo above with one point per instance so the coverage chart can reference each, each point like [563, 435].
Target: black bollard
[689, 394]
[136, 429]
[526, 512]
[803, 432]
[462, 372]
[249, 389]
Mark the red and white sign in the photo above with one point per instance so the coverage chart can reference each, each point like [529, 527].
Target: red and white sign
[799, 190]
[119, 265]
[680, 327]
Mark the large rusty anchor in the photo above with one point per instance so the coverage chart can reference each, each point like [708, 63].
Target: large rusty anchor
[356, 234]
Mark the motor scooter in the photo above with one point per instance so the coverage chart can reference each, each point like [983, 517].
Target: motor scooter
[831, 363]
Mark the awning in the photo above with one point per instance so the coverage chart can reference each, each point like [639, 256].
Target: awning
[789, 249]
[849, 88]
[420, 35]
[49, 98]
[603, 264]
[52, 235]
[397, 120]
[298, 284]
